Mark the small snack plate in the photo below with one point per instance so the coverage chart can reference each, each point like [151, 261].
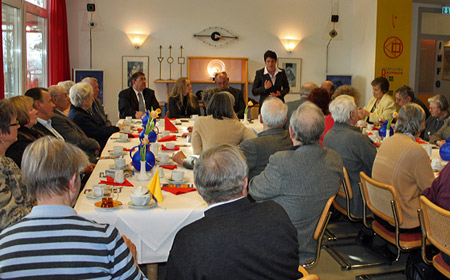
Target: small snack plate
[149, 205]
[116, 204]
[183, 181]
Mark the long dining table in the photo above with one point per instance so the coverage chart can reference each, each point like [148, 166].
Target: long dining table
[153, 229]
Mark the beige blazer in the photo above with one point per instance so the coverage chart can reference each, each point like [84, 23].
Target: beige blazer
[209, 132]
[384, 109]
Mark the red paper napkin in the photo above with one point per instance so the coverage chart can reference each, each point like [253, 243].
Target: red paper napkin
[140, 129]
[177, 191]
[169, 166]
[110, 181]
[168, 125]
[168, 138]
[420, 141]
[164, 148]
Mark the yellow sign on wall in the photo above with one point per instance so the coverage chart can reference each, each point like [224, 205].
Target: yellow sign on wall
[393, 42]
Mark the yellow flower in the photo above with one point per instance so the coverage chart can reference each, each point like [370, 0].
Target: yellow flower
[145, 141]
[395, 115]
[250, 103]
[154, 114]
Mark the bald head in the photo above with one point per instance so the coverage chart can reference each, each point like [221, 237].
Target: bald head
[329, 86]
[307, 124]
[306, 88]
[273, 112]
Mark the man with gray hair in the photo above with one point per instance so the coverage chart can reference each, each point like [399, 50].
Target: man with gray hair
[272, 139]
[236, 239]
[53, 242]
[222, 82]
[356, 149]
[97, 106]
[71, 132]
[305, 90]
[303, 178]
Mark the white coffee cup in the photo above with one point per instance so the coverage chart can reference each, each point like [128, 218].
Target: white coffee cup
[170, 145]
[429, 149]
[436, 163]
[369, 127]
[163, 157]
[194, 117]
[139, 200]
[154, 148]
[123, 137]
[165, 133]
[118, 149]
[126, 129]
[119, 162]
[118, 176]
[177, 175]
[360, 123]
[98, 190]
[129, 118]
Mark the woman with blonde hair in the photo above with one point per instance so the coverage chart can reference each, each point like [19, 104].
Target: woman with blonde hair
[27, 118]
[182, 103]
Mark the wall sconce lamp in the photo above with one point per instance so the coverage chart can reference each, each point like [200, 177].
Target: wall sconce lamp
[215, 66]
[290, 44]
[137, 39]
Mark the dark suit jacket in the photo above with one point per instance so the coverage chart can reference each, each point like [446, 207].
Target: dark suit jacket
[72, 133]
[129, 104]
[281, 84]
[91, 125]
[25, 136]
[258, 150]
[97, 109]
[42, 129]
[239, 103]
[237, 240]
[185, 111]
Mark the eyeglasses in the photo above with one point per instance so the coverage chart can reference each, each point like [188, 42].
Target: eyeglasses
[14, 124]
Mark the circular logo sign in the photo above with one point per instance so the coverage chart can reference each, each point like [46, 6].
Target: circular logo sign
[393, 47]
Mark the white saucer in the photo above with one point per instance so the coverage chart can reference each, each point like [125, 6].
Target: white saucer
[113, 167]
[122, 141]
[149, 205]
[124, 153]
[169, 162]
[184, 181]
[91, 195]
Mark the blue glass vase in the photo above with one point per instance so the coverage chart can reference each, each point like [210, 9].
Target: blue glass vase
[136, 158]
[383, 128]
[152, 136]
[444, 151]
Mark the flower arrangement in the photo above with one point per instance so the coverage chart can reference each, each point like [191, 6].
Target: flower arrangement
[249, 104]
[394, 116]
[149, 127]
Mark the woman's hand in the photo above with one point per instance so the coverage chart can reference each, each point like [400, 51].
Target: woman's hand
[440, 143]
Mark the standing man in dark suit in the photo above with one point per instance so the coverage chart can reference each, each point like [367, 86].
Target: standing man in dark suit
[236, 239]
[136, 99]
[270, 80]
[223, 82]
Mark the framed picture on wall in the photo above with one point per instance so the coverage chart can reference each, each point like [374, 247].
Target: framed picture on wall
[446, 64]
[131, 65]
[293, 69]
[79, 74]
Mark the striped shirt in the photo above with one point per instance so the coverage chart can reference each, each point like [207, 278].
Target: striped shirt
[53, 242]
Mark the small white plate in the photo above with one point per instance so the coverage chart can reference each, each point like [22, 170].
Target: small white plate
[124, 153]
[113, 167]
[169, 162]
[91, 195]
[149, 205]
[184, 181]
[122, 141]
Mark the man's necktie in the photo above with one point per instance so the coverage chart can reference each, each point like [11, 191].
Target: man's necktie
[141, 102]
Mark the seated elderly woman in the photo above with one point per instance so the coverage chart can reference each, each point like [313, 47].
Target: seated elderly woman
[82, 96]
[356, 149]
[404, 164]
[220, 126]
[13, 193]
[27, 117]
[182, 103]
[381, 106]
[437, 126]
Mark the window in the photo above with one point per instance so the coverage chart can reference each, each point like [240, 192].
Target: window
[24, 57]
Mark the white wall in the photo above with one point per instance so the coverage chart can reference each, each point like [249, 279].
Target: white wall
[259, 25]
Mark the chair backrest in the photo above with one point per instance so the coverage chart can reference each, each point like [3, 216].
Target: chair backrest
[378, 197]
[345, 184]
[324, 218]
[437, 222]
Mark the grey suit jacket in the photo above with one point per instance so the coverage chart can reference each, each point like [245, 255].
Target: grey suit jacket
[357, 153]
[99, 112]
[301, 180]
[72, 133]
[258, 150]
[292, 106]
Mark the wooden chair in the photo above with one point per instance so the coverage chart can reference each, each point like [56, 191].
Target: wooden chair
[320, 230]
[306, 275]
[435, 222]
[383, 201]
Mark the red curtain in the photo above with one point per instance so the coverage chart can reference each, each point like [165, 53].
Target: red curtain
[58, 47]
[2, 76]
